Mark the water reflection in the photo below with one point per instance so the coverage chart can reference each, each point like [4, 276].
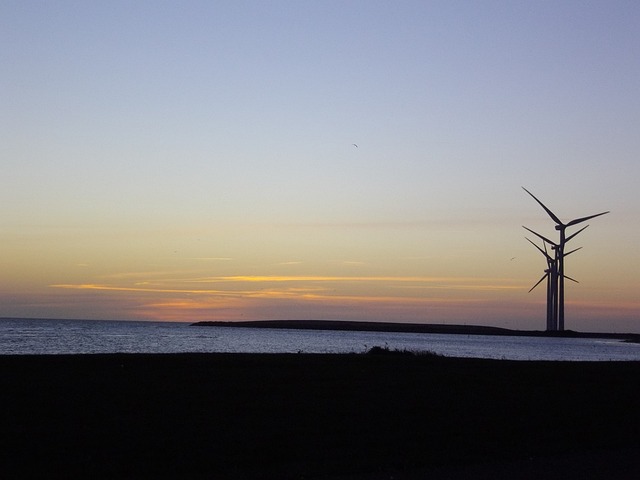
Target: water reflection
[74, 336]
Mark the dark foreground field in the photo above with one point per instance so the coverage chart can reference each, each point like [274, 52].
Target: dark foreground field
[316, 416]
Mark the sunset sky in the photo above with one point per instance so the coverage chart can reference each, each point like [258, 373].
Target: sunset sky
[357, 160]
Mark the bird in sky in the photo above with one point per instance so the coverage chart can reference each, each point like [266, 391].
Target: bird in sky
[354, 145]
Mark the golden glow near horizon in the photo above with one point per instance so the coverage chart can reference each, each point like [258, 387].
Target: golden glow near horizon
[178, 300]
[187, 276]
[184, 276]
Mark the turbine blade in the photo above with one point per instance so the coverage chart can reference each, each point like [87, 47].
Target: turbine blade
[550, 259]
[540, 236]
[575, 250]
[539, 282]
[573, 235]
[569, 278]
[544, 252]
[584, 219]
[551, 214]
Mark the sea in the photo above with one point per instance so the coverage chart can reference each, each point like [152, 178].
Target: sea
[55, 337]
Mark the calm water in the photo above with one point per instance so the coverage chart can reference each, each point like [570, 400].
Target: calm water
[76, 336]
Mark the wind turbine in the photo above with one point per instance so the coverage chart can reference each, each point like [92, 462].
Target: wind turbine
[551, 274]
[562, 227]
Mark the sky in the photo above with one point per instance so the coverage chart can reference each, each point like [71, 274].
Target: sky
[356, 160]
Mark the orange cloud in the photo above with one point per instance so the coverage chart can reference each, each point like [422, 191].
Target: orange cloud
[90, 286]
[287, 296]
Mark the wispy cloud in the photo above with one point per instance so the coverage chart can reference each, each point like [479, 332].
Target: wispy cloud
[460, 287]
[457, 221]
[325, 278]
[213, 259]
[114, 288]
[139, 288]
[235, 296]
[313, 286]
[172, 284]
[143, 275]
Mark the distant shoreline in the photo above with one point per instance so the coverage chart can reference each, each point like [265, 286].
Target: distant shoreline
[368, 326]
[358, 326]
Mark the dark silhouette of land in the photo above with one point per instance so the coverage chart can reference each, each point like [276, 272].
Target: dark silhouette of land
[302, 416]
[412, 328]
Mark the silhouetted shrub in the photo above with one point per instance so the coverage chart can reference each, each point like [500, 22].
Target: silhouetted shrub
[387, 351]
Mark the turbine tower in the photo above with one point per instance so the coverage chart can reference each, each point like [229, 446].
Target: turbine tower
[559, 248]
[551, 274]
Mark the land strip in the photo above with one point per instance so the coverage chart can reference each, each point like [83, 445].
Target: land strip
[412, 328]
[295, 416]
